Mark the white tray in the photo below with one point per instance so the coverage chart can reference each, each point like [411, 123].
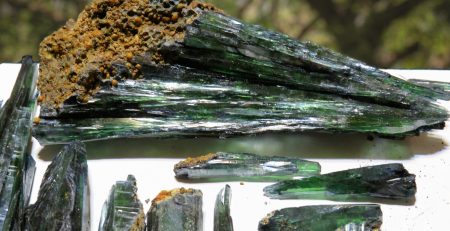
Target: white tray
[152, 160]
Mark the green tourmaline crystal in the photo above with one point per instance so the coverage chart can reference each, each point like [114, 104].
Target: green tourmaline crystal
[440, 87]
[222, 217]
[361, 217]
[175, 210]
[389, 181]
[63, 199]
[17, 167]
[123, 211]
[224, 166]
[224, 77]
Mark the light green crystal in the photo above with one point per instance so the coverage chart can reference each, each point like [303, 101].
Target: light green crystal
[123, 211]
[222, 166]
[222, 217]
[175, 210]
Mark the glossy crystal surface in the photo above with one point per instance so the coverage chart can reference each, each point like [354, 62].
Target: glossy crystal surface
[178, 209]
[222, 217]
[184, 102]
[123, 211]
[229, 78]
[224, 166]
[63, 198]
[389, 181]
[17, 167]
[361, 217]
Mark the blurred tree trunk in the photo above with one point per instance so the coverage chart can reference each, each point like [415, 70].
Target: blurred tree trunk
[361, 36]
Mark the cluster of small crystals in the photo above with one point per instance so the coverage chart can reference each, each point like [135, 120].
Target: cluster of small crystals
[77, 59]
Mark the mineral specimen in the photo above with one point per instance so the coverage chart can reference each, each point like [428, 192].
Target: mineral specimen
[178, 209]
[389, 181]
[63, 199]
[16, 164]
[222, 217]
[224, 166]
[361, 217]
[182, 68]
[187, 102]
[123, 211]
[440, 87]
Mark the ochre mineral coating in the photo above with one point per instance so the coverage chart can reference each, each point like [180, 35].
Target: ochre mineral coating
[168, 194]
[78, 58]
[192, 161]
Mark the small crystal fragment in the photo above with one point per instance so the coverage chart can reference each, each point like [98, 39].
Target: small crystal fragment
[223, 166]
[361, 217]
[63, 199]
[222, 217]
[123, 211]
[388, 181]
[175, 210]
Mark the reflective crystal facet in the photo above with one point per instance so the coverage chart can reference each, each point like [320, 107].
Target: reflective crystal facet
[178, 209]
[224, 166]
[63, 198]
[361, 217]
[389, 181]
[17, 167]
[217, 76]
[222, 217]
[123, 211]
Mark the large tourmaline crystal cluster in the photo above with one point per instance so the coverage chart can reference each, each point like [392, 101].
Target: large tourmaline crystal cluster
[184, 68]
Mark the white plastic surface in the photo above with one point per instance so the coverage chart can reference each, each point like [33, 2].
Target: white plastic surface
[152, 160]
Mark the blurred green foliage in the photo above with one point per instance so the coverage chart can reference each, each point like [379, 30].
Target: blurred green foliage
[385, 33]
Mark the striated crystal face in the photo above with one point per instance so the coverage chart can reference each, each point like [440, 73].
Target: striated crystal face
[389, 181]
[185, 102]
[222, 217]
[361, 217]
[123, 211]
[174, 210]
[183, 68]
[63, 200]
[224, 166]
[17, 167]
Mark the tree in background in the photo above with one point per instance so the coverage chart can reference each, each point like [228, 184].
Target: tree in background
[385, 33]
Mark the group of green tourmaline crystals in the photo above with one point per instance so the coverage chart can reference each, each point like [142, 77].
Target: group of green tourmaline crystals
[199, 72]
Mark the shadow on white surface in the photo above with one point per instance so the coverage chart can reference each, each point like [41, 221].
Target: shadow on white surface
[306, 145]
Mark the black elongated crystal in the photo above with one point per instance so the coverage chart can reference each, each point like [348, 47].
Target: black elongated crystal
[63, 199]
[361, 217]
[388, 181]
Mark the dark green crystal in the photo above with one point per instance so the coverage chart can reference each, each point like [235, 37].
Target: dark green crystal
[63, 198]
[224, 166]
[17, 167]
[236, 49]
[175, 210]
[389, 181]
[222, 217]
[123, 211]
[183, 102]
[361, 217]
[229, 78]
[442, 88]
